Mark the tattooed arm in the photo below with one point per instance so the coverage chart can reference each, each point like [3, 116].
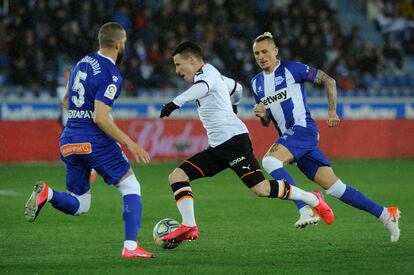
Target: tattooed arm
[330, 86]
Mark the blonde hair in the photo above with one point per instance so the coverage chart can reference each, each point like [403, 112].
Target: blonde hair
[265, 36]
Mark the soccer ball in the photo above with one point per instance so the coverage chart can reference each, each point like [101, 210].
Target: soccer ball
[162, 228]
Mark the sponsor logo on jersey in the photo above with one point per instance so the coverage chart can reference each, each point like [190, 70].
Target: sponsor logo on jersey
[237, 160]
[110, 91]
[115, 78]
[279, 80]
[279, 95]
[80, 114]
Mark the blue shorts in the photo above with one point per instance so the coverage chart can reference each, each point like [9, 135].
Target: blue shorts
[303, 144]
[82, 153]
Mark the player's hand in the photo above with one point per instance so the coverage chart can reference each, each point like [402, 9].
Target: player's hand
[333, 119]
[167, 109]
[259, 110]
[139, 153]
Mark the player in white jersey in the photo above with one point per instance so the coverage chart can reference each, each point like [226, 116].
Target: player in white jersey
[229, 143]
[279, 91]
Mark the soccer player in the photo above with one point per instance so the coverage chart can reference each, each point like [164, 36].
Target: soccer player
[229, 143]
[91, 139]
[279, 91]
[61, 91]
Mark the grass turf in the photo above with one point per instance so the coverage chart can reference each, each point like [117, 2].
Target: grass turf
[239, 233]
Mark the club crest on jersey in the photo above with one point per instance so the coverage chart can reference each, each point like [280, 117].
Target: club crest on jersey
[279, 80]
[110, 91]
[279, 95]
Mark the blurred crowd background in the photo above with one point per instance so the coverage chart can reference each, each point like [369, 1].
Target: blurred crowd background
[368, 46]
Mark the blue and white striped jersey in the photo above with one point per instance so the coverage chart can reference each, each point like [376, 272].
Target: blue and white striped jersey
[283, 94]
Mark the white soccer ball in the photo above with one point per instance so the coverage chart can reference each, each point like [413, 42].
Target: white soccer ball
[162, 228]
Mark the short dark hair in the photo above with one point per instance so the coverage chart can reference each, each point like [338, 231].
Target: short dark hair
[188, 48]
[266, 36]
[109, 34]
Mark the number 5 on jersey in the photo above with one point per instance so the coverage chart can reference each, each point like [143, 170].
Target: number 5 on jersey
[79, 88]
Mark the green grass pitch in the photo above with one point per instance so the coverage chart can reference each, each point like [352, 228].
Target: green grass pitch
[239, 233]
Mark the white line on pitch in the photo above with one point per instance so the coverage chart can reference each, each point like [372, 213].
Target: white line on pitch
[7, 193]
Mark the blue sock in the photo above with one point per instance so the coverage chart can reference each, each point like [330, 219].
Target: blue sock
[132, 216]
[356, 199]
[65, 202]
[280, 174]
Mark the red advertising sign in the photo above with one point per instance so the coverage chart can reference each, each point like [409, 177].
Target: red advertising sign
[172, 139]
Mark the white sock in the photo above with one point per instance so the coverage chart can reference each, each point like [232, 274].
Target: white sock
[301, 195]
[337, 189]
[130, 245]
[186, 208]
[49, 194]
[385, 215]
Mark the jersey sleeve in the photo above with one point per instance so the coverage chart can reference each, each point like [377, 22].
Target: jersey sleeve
[196, 91]
[302, 72]
[108, 89]
[235, 89]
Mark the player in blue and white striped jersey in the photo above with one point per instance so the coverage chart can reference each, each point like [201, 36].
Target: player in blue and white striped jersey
[279, 91]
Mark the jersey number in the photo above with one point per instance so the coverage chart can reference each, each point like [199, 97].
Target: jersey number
[79, 88]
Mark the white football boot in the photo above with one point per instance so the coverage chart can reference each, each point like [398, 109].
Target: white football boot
[392, 223]
[307, 217]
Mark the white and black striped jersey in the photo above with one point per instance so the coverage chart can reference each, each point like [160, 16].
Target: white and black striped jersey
[211, 91]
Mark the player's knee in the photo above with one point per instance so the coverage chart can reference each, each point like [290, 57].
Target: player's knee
[262, 189]
[129, 186]
[177, 175]
[271, 164]
[84, 203]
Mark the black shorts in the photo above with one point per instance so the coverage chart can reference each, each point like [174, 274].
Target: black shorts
[236, 154]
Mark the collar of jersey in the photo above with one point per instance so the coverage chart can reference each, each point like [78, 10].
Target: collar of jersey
[107, 57]
[273, 69]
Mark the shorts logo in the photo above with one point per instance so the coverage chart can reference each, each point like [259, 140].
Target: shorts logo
[246, 167]
[76, 148]
[237, 160]
[110, 91]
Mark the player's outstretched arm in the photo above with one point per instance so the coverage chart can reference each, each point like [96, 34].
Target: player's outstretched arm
[196, 91]
[330, 87]
[259, 110]
[104, 121]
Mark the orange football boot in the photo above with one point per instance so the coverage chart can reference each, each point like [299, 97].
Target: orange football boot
[323, 209]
